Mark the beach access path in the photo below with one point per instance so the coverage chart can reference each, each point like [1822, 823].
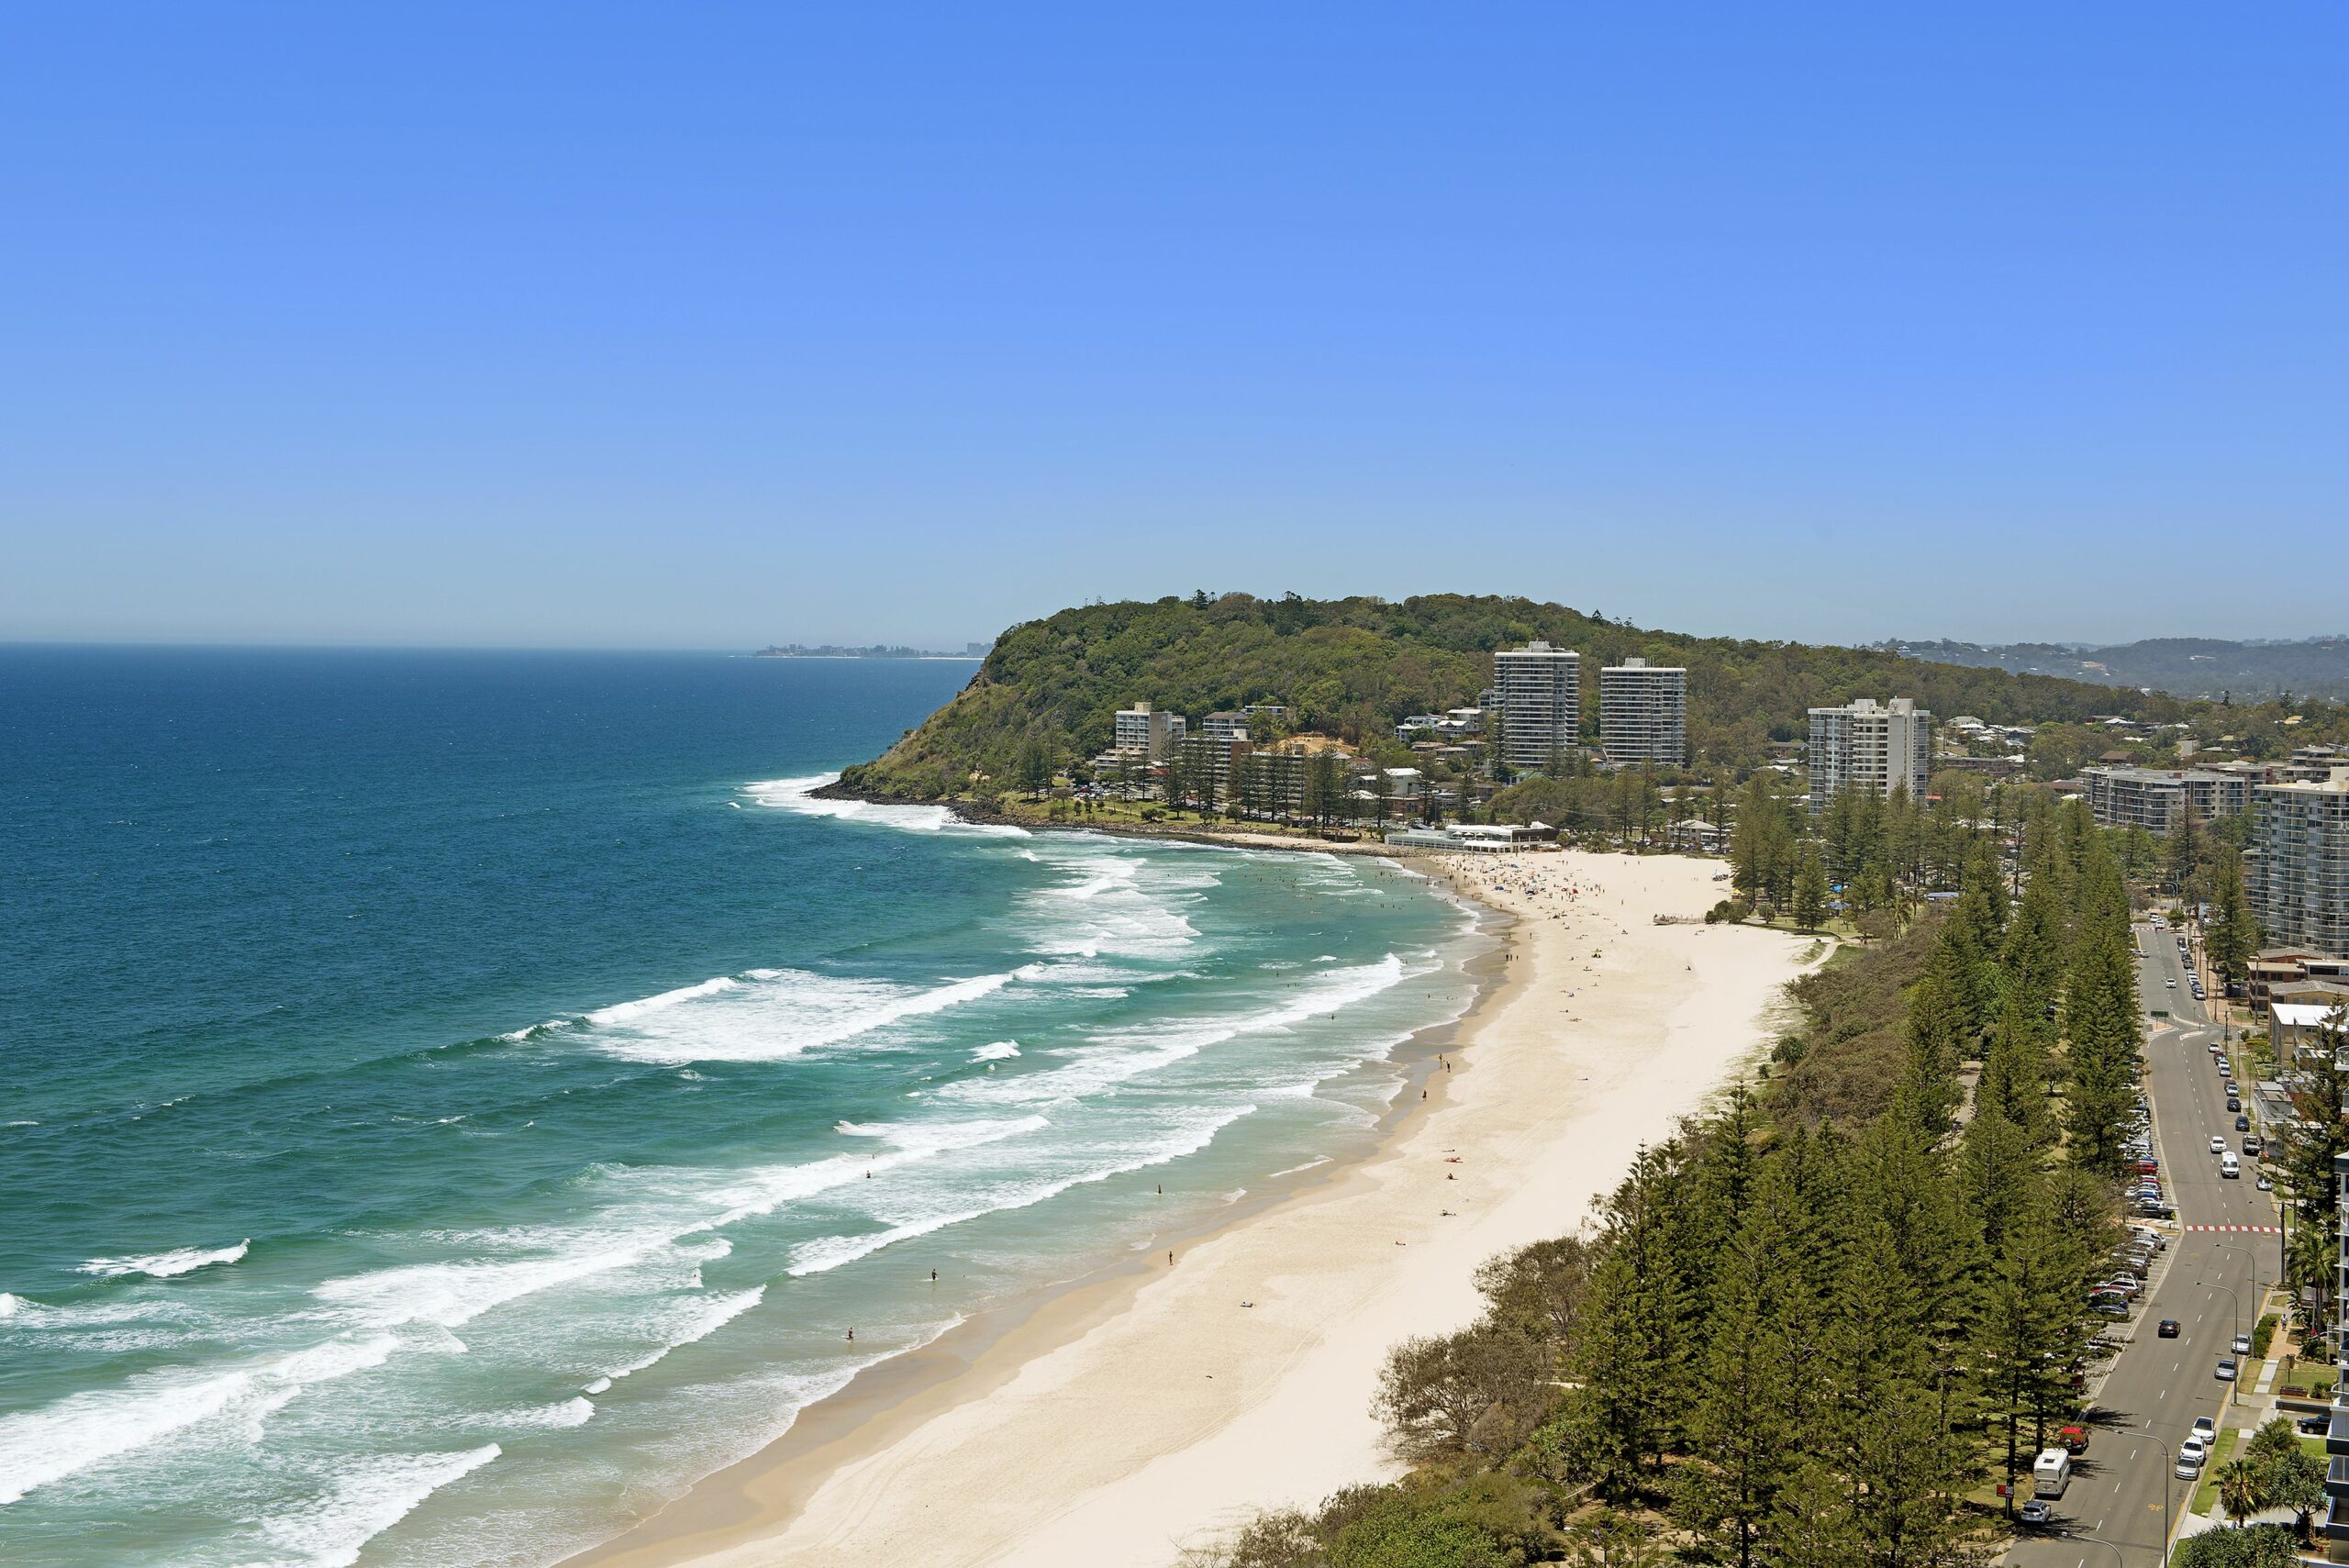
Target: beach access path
[1121, 1425]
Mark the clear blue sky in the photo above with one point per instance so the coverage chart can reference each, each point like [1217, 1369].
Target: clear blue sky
[708, 326]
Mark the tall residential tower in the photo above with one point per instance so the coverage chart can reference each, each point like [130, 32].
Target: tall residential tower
[1539, 689]
[1643, 713]
[1866, 745]
[2296, 871]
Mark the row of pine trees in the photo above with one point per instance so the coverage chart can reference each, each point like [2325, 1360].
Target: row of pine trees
[1797, 1340]
[1812, 1345]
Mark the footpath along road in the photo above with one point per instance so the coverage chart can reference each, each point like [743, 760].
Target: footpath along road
[2223, 1251]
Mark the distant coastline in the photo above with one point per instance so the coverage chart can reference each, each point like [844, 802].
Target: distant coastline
[971, 654]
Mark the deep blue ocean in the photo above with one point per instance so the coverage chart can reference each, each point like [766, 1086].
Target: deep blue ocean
[450, 1102]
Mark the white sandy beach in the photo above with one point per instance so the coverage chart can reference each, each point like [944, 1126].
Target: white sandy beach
[1116, 1428]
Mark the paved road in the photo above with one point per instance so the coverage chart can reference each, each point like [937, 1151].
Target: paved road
[2122, 1489]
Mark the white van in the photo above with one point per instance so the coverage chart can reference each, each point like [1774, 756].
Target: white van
[2050, 1472]
[2229, 1166]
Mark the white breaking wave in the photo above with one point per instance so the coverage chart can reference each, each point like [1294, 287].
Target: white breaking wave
[797, 796]
[1117, 904]
[622, 1012]
[368, 1497]
[452, 1295]
[1123, 1055]
[167, 1265]
[1001, 1050]
[56, 1441]
[684, 1324]
[1192, 1134]
[575, 1411]
[772, 1014]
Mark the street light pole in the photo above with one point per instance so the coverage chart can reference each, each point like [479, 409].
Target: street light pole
[2234, 1305]
[2251, 1258]
[2167, 1462]
[2075, 1535]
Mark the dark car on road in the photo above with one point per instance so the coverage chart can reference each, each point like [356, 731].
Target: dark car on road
[2168, 1330]
[2243, 1124]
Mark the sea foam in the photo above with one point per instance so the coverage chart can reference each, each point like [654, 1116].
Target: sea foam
[797, 796]
[167, 1265]
[367, 1497]
[770, 1014]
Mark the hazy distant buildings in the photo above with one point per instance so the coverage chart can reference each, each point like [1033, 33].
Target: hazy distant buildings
[2160, 799]
[1540, 692]
[1643, 713]
[2295, 871]
[1144, 731]
[1869, 746]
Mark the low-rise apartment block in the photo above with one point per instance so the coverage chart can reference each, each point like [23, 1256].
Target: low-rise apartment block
[2160, 800]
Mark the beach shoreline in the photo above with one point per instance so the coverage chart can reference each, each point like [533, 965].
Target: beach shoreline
[1190, 1387]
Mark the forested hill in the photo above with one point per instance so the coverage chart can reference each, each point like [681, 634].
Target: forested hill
[1352, 667]
[2183, 666]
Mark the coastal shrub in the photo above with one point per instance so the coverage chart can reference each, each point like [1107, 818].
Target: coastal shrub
[1854, 1045]
[2263, 1332]
[1538, 1290]
[1278, 1537]
[2254, 1546]
[1443, 1394]
[1406, 1529]
[1612, 1541]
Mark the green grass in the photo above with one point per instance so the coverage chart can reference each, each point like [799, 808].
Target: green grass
[2206, 1491]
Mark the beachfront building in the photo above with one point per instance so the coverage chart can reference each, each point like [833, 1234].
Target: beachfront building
[1226, 726]
[2334, 1529]
[1643, 714]
[2160, 800]
[1539, 693]
[1145, 731]
[1870, 746]
[1476, 838]
[1208, 767]
[1694, 835]
[2296, 876]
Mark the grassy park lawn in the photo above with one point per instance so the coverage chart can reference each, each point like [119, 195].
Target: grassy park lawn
[2206, 1491]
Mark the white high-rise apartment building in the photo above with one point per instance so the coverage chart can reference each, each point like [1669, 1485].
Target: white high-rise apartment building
[1643, 713]
[1870, 746]
[1539, 688]
[2297, 872]
[1144, 731]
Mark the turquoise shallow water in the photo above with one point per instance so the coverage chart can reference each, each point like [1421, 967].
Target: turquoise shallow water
[454, 1101]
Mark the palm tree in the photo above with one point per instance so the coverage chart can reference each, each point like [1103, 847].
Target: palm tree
[2243, 1489]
